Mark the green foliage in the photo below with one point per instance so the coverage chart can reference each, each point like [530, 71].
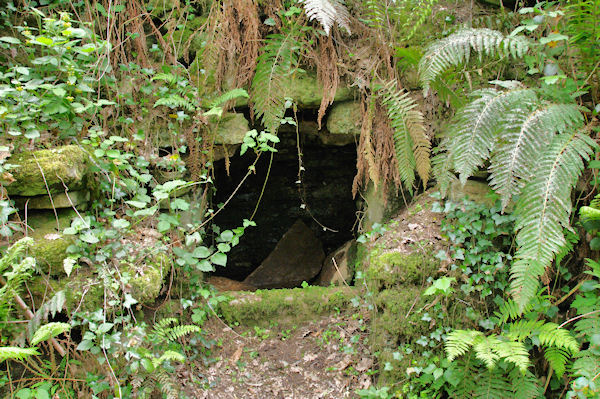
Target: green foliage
[456, 49]
[410, 138]
[276, 64]
[48, 331]
[543, 211]
[49, 77]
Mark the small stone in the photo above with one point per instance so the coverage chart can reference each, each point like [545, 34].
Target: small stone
[337, 267]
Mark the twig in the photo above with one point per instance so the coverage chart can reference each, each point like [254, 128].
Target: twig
[579, 317]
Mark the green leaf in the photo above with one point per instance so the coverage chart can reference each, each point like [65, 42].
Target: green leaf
[201, 252]
[44, 40]
[163, 226]
[85, 345]
[11, 40]
[120, 224]
[219, 259]
[68, 264]
[180, 204]
[90, 238]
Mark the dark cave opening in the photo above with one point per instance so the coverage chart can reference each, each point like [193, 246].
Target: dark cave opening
[322, 200]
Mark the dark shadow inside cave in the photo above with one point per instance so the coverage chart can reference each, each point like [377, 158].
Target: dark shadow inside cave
[322, 199]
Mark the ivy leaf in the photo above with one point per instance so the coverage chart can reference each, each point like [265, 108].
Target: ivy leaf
[129, 301]
[68, 264]
[120, 224]
[89, 237]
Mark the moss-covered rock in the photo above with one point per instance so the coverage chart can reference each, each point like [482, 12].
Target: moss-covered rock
[390, 269]
[286, 306]
[231, 129]
[307, 92]
[49, 247]
[61, 166]
[345, 119]
[85, 289]
[472, 190]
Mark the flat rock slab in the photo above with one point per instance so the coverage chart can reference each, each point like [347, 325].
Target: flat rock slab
[297, 257]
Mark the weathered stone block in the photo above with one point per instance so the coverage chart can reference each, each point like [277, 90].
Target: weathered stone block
[345, 119]
[56, 168]
[78, 199]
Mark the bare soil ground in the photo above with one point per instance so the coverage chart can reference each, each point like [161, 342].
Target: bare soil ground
[325, 359]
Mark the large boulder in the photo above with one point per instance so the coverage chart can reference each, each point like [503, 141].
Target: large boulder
[37, 172]
[296, 258]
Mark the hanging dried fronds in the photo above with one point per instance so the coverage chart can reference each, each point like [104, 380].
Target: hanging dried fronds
[327, 73]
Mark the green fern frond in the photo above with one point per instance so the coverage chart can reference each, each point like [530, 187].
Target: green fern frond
[14, 252]
[168, 356]
[551, 335]
[275, 66]
[543, 211]
[228, 96]
[472, 134]
[15, 353]
[459, 342]
[484, 349]
[166, 385]
[168, 330]
[166, 77]
[442, 167]
[509, 310]
[557, 359]
[456, 50]
[412, 144]
[48, 331]
[525, 385]
[513, 352]
[175, 101]
[328, 13]
[525, 132]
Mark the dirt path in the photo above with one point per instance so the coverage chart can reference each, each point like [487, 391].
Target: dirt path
[323, 359]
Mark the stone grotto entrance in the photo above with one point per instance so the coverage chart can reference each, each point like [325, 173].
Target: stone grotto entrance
[319, 209]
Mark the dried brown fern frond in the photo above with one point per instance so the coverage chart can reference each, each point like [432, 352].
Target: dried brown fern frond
[249, 24]
[327, 73]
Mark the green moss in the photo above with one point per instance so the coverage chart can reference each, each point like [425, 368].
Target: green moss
[306, 90]
[286, 306]
[147, 279]
[396, 268]
[67, 164]
[83, 290]
[345, 118]
[50, 253]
